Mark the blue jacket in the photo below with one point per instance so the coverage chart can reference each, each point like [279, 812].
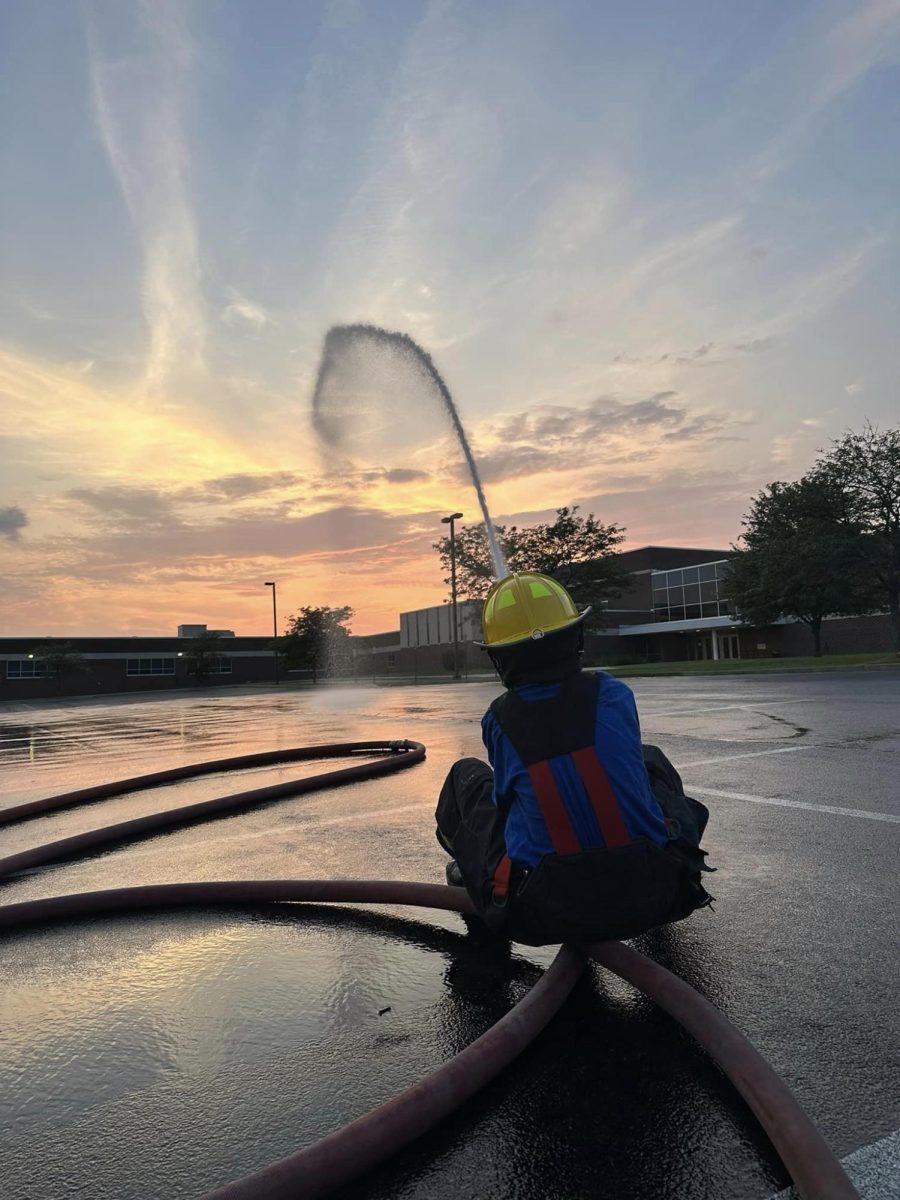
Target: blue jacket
[618, 745]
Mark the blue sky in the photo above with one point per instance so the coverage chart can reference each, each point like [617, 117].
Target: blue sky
[652, 247]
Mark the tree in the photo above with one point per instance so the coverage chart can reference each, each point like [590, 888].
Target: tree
[202, 654]
[61, 659]
[799, 559]
[579, 552]
[317, 640]
[864, 470]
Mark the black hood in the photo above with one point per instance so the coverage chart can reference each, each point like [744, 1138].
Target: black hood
[549, 659]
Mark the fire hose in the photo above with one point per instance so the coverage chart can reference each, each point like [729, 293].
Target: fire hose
[348, 1152]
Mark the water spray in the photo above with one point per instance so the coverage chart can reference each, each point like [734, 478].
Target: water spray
[342, 339]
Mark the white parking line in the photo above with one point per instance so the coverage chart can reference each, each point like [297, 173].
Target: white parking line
[705, 762]
[866, 813]
[646, 711]
[874, 1171]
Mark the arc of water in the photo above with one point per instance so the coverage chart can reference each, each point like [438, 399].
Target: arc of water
[340, 336]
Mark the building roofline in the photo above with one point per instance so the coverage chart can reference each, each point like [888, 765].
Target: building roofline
[692, 549]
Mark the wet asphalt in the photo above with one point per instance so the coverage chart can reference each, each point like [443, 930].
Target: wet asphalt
[161, 1055]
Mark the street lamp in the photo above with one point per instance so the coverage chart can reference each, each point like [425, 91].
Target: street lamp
[271, 583]
[450, 521]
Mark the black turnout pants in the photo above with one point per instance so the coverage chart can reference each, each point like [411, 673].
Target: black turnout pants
[470, 828]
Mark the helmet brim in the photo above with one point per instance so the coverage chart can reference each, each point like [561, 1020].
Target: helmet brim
[529, 637]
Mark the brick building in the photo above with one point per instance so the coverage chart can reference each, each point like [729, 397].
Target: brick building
[130, 664]
[673, 610]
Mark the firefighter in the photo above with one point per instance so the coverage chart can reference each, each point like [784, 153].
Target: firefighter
[575, 831]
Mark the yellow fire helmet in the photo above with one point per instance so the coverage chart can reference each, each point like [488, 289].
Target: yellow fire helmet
[526, 607]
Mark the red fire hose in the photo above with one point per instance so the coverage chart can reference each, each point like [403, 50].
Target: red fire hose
[341, 1156]
[395, 756]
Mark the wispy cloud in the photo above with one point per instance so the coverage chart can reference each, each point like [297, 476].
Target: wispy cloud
[240, 308]
[12, 521]
[138, 97]
[126, 508]
[562, 438]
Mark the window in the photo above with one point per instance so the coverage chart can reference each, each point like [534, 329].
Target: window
[31, 668]
[150, 666]
[220, 665]
[689, 593]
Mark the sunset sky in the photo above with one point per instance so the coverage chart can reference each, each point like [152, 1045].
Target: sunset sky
[653, 248]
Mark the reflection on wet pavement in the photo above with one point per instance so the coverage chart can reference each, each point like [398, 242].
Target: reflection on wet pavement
[211, 1042]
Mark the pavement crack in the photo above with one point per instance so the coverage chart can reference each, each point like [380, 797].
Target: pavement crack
[798, 730]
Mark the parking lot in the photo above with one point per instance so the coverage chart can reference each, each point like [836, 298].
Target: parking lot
[208, 1043]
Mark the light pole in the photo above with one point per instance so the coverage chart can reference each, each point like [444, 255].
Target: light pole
[271, 583]
[450, 521]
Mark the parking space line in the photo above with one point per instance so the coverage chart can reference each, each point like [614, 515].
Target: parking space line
[707, 762]
[865, 813]
[647, 711]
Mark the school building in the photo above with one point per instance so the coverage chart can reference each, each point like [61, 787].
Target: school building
[673, 609]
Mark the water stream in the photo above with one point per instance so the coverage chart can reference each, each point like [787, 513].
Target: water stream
[344, 340]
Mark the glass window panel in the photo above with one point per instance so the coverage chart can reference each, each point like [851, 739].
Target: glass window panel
[691, 574]
[707, 571]
[692, 612]
[709, 591]
[676, 612]
[710, 608]
[676, 595]
[692, 593]
[661, 612]
[674, 577]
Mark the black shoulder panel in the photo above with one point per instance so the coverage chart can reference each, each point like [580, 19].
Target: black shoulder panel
[542, 729]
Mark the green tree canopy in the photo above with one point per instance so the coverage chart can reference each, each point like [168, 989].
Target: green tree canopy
[318, 640]
[864, 471]
[579, 552]
[799, 559]
[61, 658]
[201, 654]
